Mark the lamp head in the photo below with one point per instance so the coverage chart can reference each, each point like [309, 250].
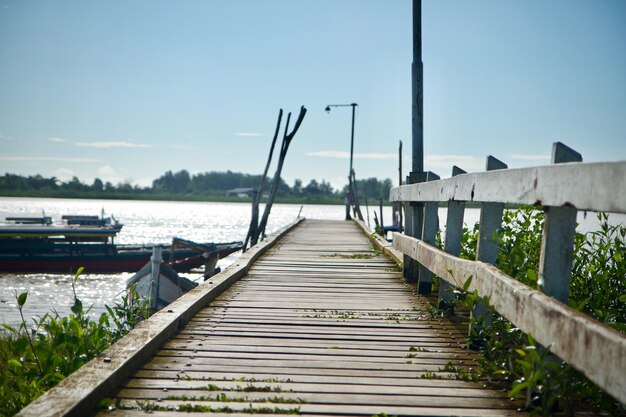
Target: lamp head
[327, 109]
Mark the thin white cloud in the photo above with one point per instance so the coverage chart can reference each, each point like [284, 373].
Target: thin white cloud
[3, 137]
[330, 154]
[112, 144]
[529, 157]
[249, 134]
[346, 155]
[44, 158]
[184, 147]
[379, 156]
[59, 140]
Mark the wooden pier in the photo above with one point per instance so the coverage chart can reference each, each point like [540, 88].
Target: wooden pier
[318, 319]
[322, 324]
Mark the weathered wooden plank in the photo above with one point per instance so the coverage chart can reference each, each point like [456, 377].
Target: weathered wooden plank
[148, 376]
[432, 398]
[407, 333]
[345, 411]
[367, 410]
[183, 346]
[344, 358]
[569, 334]
[322, 304]
[141, 413]
[370, 323]
[426, 341]
[571, 184]
[288, 371]
[299, 343]
[196, 361]
[319, 387]
[346, 326]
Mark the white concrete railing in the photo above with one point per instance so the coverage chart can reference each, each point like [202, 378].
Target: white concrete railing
[560, 190]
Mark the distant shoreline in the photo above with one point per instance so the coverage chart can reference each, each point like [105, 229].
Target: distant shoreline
[103, 195]
[210, 198]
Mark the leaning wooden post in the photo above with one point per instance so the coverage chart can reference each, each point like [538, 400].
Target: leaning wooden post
[488, 248]
[557, 245]
[452, 244]
[256, 197]
[287, 138]
[429, 235]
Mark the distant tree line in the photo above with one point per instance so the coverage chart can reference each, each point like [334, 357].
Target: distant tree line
[182, 183]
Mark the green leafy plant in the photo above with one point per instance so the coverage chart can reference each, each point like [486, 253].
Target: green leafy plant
[37, 357]
[511, 358]
[127, 313]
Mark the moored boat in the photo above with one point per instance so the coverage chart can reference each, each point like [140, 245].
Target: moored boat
[88, 241]
[158, 283]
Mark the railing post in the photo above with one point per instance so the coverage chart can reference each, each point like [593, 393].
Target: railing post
[413, 228]
[490, 221]
[557, 245]
[430, 225]
[487, 250]
[452, 244]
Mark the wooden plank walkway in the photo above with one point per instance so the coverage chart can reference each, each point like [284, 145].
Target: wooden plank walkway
[321, 325]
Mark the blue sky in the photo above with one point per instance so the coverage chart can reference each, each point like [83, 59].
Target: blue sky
[126, 90]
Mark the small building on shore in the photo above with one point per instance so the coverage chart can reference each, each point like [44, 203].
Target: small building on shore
[240, 192]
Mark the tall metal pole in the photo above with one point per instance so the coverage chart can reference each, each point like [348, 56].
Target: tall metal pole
[352, 138]
[351, 197]
[417, 75]
[415, 211]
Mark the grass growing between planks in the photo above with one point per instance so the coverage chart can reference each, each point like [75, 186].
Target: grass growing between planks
[188, 407]
[511, 358]
[35, 358]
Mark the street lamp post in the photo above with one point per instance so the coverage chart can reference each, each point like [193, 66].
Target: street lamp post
[353, 105]
[351, 171]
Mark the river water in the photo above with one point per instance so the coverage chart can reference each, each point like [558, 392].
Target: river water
[144, 222]
[153, 222]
